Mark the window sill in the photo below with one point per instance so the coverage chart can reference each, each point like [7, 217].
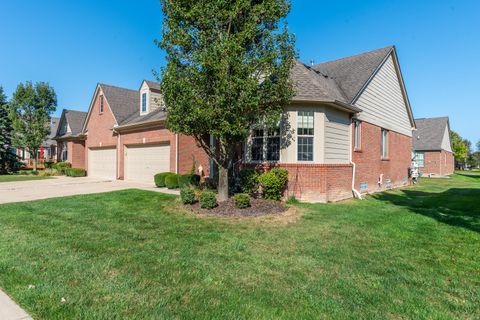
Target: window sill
[385, 159]
[358, 150]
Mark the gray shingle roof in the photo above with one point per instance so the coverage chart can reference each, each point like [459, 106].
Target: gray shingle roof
[123, 102]
[75, 120]
[429, 134]
[153, 85]
[53, 130]
[352, 73]
[158, 114]
[310, 85]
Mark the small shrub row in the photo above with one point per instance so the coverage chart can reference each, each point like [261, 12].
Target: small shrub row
[48, 173]
[187, 195]
[174, 181]
[62, 167]
[207, 199]
[75, 172]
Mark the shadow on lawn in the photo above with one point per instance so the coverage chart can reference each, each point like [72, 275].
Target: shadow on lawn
[473, 175]
[456, 207]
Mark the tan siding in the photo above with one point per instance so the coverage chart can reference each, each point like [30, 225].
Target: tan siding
[383, 103]
[446, 141]
[337, 136]
[156, 100]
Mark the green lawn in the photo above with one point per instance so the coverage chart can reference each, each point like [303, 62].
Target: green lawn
[407, 254]
[13, 178]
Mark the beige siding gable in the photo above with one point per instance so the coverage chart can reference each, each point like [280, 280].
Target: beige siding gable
[446, 145]
[383, 101]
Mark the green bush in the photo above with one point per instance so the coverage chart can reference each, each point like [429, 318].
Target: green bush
[62, 166]
[273, 183]
[242, 200]
[187, 195]
[48, 173]
[249, 180]
[75, 172]
[160, 179]
[208, 200]
[187, 180]
[49, 164]
[171, 181]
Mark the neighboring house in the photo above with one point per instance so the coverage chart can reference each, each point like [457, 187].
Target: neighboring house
[432, 147]
[69, 137]
[126, 136]
[49, 146]
[350, 126]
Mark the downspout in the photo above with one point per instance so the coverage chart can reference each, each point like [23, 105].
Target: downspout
[176, 154]
[355, 192]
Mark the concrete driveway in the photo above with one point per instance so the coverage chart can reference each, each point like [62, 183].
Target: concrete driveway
[66, 186]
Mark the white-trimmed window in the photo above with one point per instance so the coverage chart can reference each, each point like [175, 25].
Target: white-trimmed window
[357, 134]
[420, 159]
[144, 102]
[305, 135]
[384, 144]
[101, 104]
[64, 152]
[265, 144]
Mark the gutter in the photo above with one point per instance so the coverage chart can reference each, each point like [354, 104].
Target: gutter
[332, 103]
[144, 124]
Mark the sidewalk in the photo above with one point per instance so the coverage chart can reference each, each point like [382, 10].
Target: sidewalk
[9, 310]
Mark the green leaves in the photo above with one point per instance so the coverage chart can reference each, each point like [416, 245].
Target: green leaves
[30, 110]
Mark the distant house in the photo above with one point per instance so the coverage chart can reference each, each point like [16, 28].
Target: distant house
[69, 137]
[48, 147]
[432, 147]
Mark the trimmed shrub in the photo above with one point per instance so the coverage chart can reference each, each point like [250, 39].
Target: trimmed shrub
[187, 195]
[249, 180]
[160, 179]
[242, 200]
[171, 181]
[273, 183]
[187, 180]
[49, 164]
[75, 172]
[61, 166]
[208, 200]
[48, 173]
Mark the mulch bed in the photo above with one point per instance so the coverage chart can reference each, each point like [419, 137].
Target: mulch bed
[227, 208]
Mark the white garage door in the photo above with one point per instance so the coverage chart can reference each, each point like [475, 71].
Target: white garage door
[143, 162]
[102, 163]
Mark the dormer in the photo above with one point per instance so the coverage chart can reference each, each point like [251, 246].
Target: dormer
[150, 97]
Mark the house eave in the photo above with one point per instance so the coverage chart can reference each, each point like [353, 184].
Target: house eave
[332, 103]
[140, 125]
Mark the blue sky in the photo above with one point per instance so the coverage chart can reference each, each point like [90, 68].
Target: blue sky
[75, 44]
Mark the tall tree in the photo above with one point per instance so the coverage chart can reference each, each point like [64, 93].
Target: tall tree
[228, 67]
[460, 148]
[478, 146]
[31, 108]
[5, 133]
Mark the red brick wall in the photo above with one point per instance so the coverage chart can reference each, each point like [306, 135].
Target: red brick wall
[77, 154]
[99, 127]
[317, 182]
[188, 148]
[370, 165]
[440, 163]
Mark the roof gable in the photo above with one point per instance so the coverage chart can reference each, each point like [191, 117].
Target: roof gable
[430, 134]
[353, 73]
[73, 120]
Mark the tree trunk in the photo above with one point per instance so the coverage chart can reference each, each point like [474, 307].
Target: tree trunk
[223, 182]
[35, 157]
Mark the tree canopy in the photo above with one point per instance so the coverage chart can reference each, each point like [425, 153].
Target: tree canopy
[31, 107]
[6, 157]
[228, 67]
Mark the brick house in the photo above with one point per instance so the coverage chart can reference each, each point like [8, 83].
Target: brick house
[126, 136]
[433, 148]
[70, 139]
[347, 131]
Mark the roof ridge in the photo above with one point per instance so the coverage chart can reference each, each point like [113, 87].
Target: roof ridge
[355, 55]
[116, 87]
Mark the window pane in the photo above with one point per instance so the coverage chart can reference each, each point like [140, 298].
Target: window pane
[273, 149]
[257, 149]
[305, 149]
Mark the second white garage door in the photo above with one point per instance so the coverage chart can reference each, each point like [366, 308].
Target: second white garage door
[143, 162]
[102, 163]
